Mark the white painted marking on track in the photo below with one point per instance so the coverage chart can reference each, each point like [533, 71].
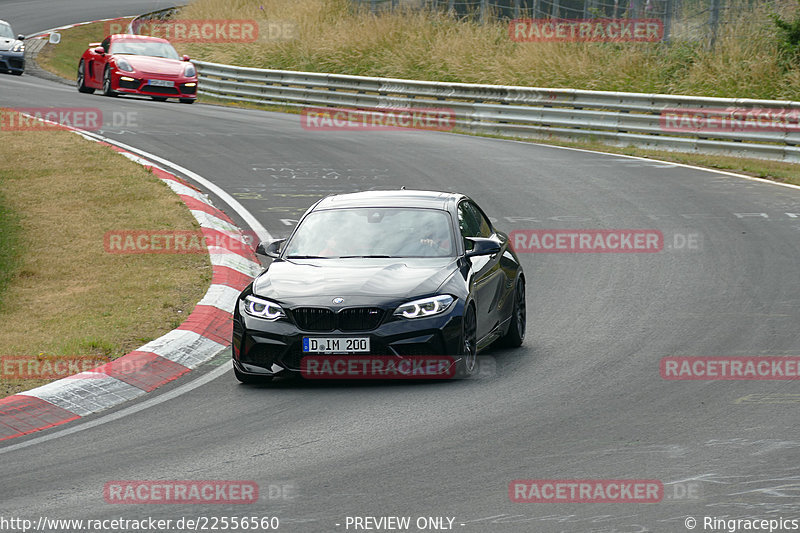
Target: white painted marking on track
[161, 398]
[251, 221]
[722, 172]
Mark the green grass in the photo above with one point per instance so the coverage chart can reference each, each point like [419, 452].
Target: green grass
[11, 245]
[333, 38]
[62, 59]
[65, 295]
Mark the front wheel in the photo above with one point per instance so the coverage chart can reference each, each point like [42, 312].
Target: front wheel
[107, 90]
[468, 361]
[81, 80]
[516, 330]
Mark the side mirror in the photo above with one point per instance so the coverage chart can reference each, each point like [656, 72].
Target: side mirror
[482, 246]
[100, 50]
[20, 37]
[55, 38]
[185, 58]
[270, 249]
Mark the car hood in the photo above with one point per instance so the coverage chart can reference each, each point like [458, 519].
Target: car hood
[6, 43]
[365, 279]
[155, 65]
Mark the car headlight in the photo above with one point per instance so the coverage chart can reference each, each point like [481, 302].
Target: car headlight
[123, 64]
[19, 47]
[258, 307]
[189, 71]
[425, 307]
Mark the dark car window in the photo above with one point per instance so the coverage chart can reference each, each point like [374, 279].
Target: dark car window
[467, 223]
[105, 44]
[472, 222]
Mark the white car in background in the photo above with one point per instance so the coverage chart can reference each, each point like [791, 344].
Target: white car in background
[12, 50]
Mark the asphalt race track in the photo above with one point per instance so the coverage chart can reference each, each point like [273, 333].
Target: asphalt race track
[582, 399]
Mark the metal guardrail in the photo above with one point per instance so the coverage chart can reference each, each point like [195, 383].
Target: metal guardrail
[610, 117]
[161, 14]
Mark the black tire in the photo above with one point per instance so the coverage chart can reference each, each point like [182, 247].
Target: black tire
[187, 100]
[81, 82]
[249, 379]
[516, 330]
[16, 72]
[159, 98]
[107, 83]
[468, 362]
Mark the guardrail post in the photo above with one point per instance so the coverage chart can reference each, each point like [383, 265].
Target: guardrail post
[714, 22]
[668, 12]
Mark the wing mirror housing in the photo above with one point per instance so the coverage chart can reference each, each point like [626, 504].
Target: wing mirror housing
[482, 246]
[100, 50]
[185, 58]
[270, 248]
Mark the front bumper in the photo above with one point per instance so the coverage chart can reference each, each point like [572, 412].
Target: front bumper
[269, 348]
[13, 61]
[136, 83]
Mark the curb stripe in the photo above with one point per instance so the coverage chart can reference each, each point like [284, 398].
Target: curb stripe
[20, 415]
[231, 277]
[206, 331]
[144, 370]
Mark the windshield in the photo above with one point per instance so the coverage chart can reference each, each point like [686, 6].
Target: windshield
[373, 232]
[5, 31]
[144, 48]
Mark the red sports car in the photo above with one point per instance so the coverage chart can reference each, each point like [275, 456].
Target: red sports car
[137, 64]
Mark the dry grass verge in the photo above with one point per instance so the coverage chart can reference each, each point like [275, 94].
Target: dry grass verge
[66, 295]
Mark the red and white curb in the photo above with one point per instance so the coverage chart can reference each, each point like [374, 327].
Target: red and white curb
[205, 332]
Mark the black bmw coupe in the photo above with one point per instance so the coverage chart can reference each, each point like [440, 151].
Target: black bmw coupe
[396, 274]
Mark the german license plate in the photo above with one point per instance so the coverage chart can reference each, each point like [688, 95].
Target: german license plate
[335, 344]
[162, 83]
